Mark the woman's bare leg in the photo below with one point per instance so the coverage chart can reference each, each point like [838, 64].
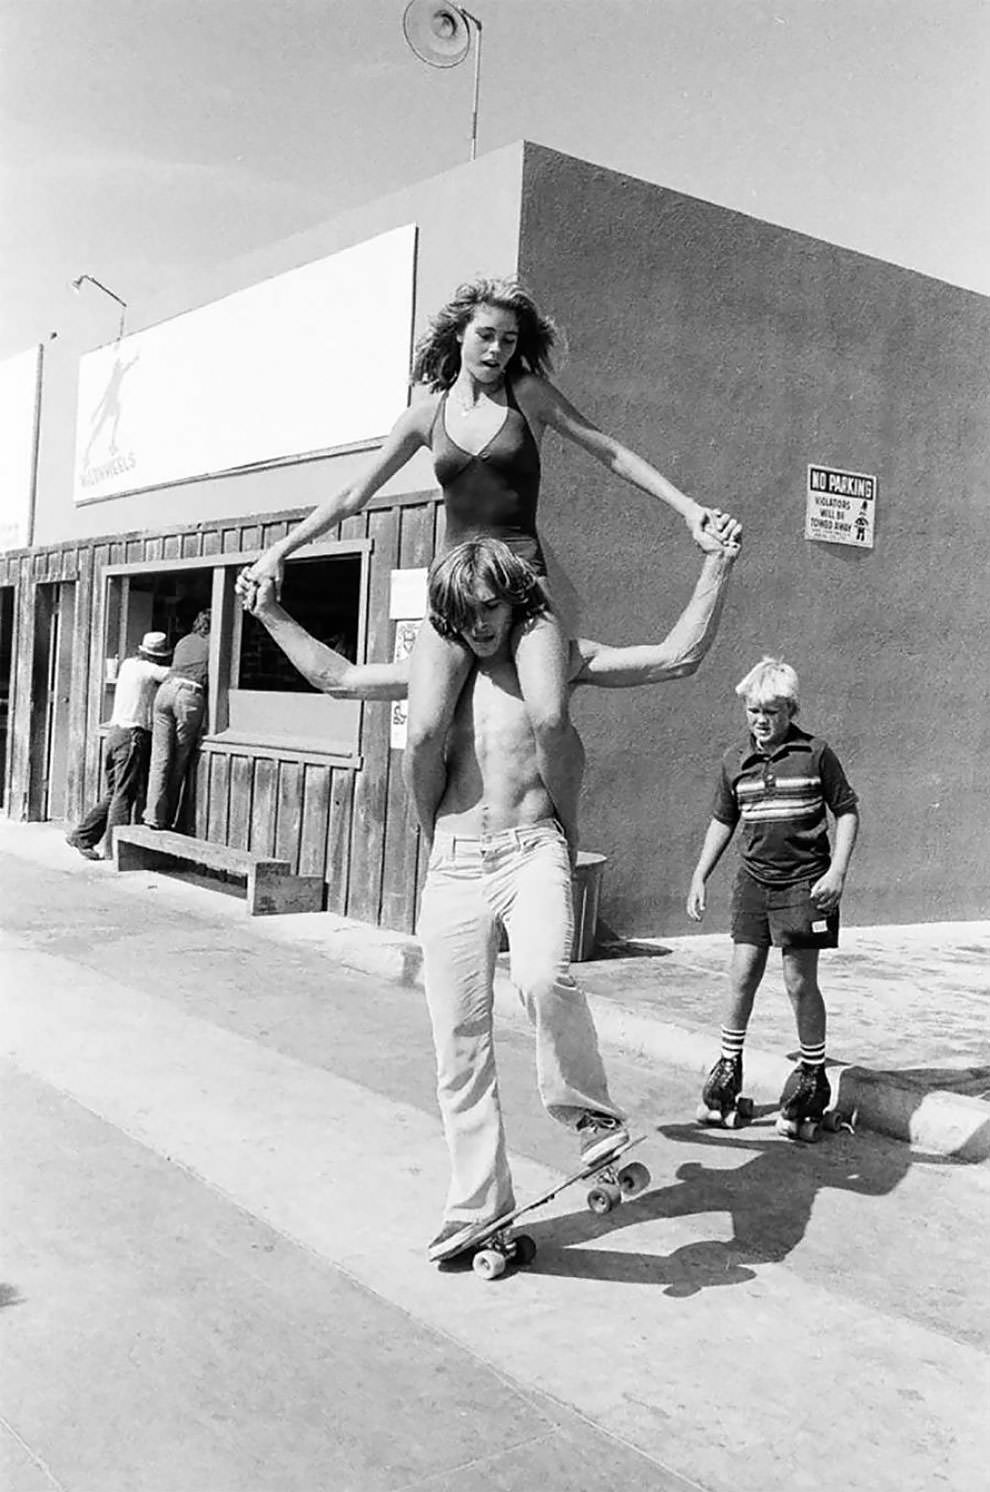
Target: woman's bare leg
[438, 668]
[541, 653]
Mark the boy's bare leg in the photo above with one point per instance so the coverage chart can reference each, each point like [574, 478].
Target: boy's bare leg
[807, 1092]
[724, 1082]
[745, 972]
[801, 982]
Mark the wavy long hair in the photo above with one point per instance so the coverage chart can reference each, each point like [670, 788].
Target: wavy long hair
[437, 356]
[454, 579]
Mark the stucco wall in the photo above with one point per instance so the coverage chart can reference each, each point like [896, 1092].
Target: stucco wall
[468, 222]
[732, 353]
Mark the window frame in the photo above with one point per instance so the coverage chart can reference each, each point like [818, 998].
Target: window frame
[225, 646]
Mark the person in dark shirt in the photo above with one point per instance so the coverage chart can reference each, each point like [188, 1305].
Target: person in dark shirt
[177, 719]
[484, 359]
[787, 890]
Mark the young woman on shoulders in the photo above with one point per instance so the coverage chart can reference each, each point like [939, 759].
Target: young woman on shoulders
[485, 358]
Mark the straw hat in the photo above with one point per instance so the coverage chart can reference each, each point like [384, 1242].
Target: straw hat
[155, 645]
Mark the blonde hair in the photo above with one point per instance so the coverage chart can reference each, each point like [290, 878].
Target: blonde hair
[768, 680]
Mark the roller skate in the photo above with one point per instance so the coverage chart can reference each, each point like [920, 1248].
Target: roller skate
[804, 1110]
[721, 1101]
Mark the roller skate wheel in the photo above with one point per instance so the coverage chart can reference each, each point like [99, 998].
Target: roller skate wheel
[634, 1179]
[488, 1263]
[808, 1131]
[787, 1127]
[745, 1108]
[833, 1121]
[705, 1115]
[603, 1198]
[733, 1119]
[523, 1250]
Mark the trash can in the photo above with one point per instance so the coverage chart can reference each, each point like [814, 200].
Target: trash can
[586, 884]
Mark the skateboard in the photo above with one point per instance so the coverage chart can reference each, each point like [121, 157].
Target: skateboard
[493, 1246]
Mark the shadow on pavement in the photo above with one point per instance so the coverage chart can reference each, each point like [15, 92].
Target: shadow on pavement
[623, 948]
[768, 1197]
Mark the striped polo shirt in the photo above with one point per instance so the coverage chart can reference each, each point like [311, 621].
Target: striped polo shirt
[781, 801]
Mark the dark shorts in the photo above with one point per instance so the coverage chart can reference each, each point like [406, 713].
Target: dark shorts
[780, 916]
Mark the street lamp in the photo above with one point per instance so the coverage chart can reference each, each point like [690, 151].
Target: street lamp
[440, 34]
[77, 284]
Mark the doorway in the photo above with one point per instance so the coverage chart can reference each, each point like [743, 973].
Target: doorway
[6, 680]
[51, 675]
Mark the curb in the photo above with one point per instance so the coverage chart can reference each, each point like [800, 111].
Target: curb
[953, 1125]
[940, 1122]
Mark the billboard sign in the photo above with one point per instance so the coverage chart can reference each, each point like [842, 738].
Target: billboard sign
[19, 388]
[311, 361]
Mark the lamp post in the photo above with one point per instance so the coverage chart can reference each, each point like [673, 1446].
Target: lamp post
[440, 34]
[77, 286]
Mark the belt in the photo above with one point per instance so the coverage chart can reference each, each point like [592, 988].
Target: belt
[178, 678]
[501, 839]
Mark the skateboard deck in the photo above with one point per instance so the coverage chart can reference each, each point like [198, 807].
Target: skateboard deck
[493, 1245]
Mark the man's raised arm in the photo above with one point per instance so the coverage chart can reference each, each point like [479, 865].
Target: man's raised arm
[326, 670]
[681, 651]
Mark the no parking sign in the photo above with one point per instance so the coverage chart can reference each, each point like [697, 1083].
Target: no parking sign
[841, 507]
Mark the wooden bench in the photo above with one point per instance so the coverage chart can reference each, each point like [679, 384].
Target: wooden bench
[271, 886]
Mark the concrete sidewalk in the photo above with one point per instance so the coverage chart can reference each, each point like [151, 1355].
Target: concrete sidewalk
[909, 1017]
[909, 1006]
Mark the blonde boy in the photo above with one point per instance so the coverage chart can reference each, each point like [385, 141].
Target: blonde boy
[778, 786]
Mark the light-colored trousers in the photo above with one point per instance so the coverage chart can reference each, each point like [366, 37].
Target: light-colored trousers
[519, 879]
[176, 721]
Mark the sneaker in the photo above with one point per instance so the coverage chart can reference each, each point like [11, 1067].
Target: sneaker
[86, 850]
[450, 1240]
[599, 1135]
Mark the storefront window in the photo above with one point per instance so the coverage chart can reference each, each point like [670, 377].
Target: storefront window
[323, 595]
[257, 699]
[269, 702]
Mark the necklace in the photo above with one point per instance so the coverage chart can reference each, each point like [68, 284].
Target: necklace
[465, 406]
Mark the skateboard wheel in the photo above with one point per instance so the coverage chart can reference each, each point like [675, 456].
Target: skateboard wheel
[808, 1131]
[604, 1197]
[634, 1179]
[488, 1263]
[524, 1250]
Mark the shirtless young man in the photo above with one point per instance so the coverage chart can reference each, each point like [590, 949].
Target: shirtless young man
[498, 856]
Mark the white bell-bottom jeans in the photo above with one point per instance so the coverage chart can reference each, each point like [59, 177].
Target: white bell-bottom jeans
[519, 879]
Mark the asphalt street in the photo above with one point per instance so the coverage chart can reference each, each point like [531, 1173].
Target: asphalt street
[222, 1163]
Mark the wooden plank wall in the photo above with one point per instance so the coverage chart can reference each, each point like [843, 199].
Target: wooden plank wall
[352, 826]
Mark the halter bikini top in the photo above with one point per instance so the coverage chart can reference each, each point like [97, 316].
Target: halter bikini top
[495, 492]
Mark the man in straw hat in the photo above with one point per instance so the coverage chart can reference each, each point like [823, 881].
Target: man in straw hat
[128, 746]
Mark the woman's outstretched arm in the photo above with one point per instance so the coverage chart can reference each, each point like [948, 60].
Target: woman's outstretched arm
[542, 401]
[409, 432]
